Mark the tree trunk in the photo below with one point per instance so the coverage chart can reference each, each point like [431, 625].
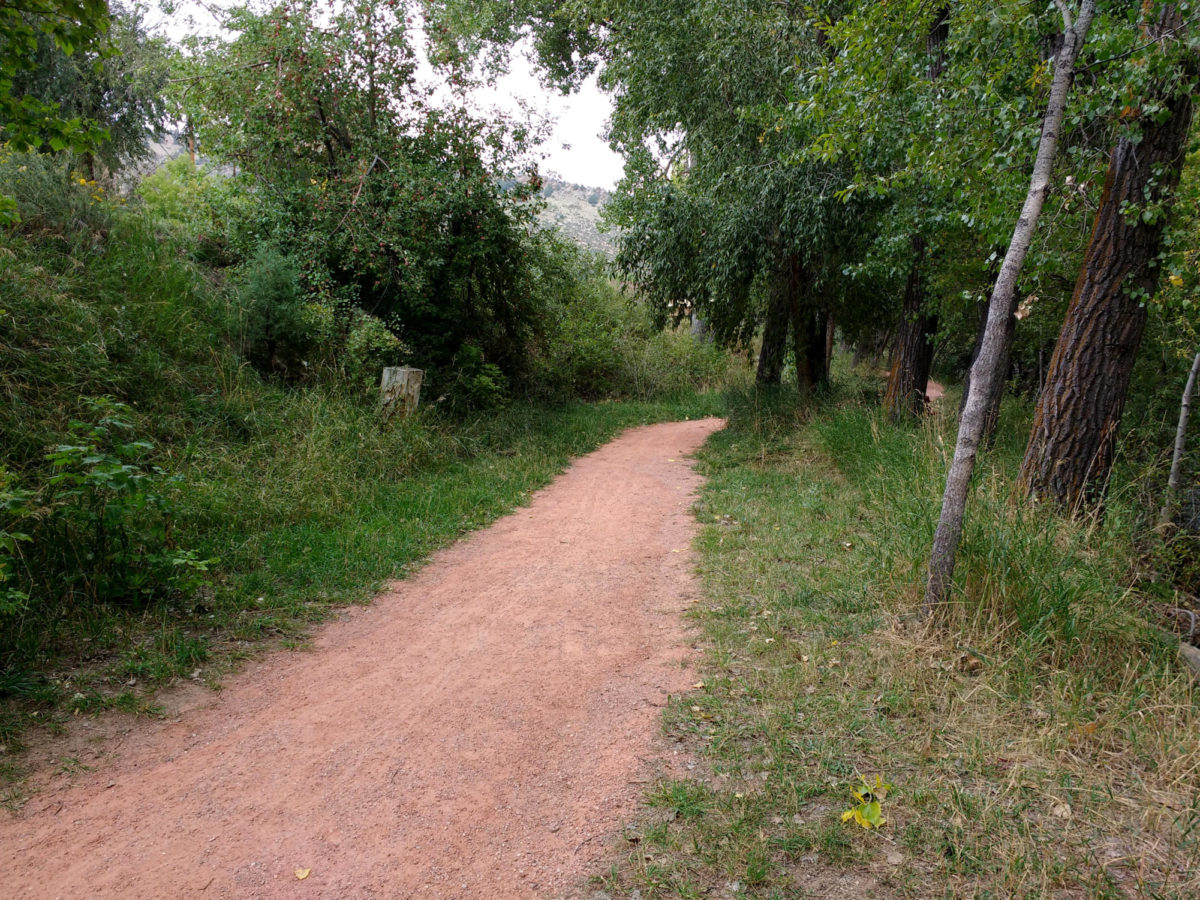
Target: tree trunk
[1003, 364]
[830, 330]
[913, 356]
[1071, 446]
[1000, 309]
[871, 350]
[809, 326]
[1185, 408]
[775, 333]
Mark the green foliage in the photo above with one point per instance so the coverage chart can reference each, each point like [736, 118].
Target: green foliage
[117, 85]
[478, 383]
[279, 329]
[412, 212]
[600, 344]
[14, 507]
[178, 193]
[370, 347]
[27, 122]
[104, 529]
[49, 196]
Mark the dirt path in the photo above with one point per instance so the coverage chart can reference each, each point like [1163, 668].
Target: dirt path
[480, 731]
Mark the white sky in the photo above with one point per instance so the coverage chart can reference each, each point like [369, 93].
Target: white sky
[574, 150]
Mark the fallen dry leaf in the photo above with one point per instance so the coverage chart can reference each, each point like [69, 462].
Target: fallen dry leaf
[301, 874]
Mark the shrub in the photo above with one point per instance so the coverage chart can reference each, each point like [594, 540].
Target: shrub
[50, 196]
[370, 346]
[177, 194]
[601, 344]
[279, 330]
[478, 383]
[98, 527]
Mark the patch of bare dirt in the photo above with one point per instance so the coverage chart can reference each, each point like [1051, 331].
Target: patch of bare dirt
[479, 731]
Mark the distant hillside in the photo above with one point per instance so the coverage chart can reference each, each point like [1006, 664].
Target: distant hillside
[575, 210]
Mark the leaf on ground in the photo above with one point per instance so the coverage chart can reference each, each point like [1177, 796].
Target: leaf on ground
[301, 874]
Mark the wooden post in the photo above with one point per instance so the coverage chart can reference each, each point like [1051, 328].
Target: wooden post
[400, 389]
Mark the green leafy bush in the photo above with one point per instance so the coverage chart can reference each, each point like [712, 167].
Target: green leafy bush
[98, 526]
[600, 344]
[279, 330]
[177, 193]
[370, 346]
[49, 196]
[107, 526]
[14, 508]
[479, 384]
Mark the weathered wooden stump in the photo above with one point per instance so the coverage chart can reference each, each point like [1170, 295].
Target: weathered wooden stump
[400, 390]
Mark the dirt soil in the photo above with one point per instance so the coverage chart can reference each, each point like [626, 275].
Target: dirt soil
[481, 730]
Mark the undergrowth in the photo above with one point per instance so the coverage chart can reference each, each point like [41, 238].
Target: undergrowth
[1040, 739]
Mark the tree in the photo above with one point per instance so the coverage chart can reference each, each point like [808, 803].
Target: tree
[26, 122]
[912, 358]
[1073, 440]
[409, 210]
[1001, 308]
[118, 83]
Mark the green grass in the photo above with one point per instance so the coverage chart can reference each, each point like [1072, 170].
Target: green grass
[1042, 741]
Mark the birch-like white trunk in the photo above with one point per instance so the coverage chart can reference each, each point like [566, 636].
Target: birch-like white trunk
[1185, 408]
[1001, 307]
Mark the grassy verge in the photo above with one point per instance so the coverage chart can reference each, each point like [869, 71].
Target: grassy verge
[1040, 742]
[301, 527]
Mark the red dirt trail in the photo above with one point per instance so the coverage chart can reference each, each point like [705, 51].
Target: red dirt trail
[479, 731]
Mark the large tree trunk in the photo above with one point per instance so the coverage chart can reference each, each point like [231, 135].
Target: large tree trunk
[1002, 306]
[912, 358]
[775, 334]
[1070, 450]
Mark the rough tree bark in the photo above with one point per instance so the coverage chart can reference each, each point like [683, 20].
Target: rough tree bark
[1185, 408]
[1000, 309]
[830, 332]
[1071, 446]
[912, 358]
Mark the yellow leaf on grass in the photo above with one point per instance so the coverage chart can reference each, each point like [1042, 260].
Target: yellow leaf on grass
[301, 874]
